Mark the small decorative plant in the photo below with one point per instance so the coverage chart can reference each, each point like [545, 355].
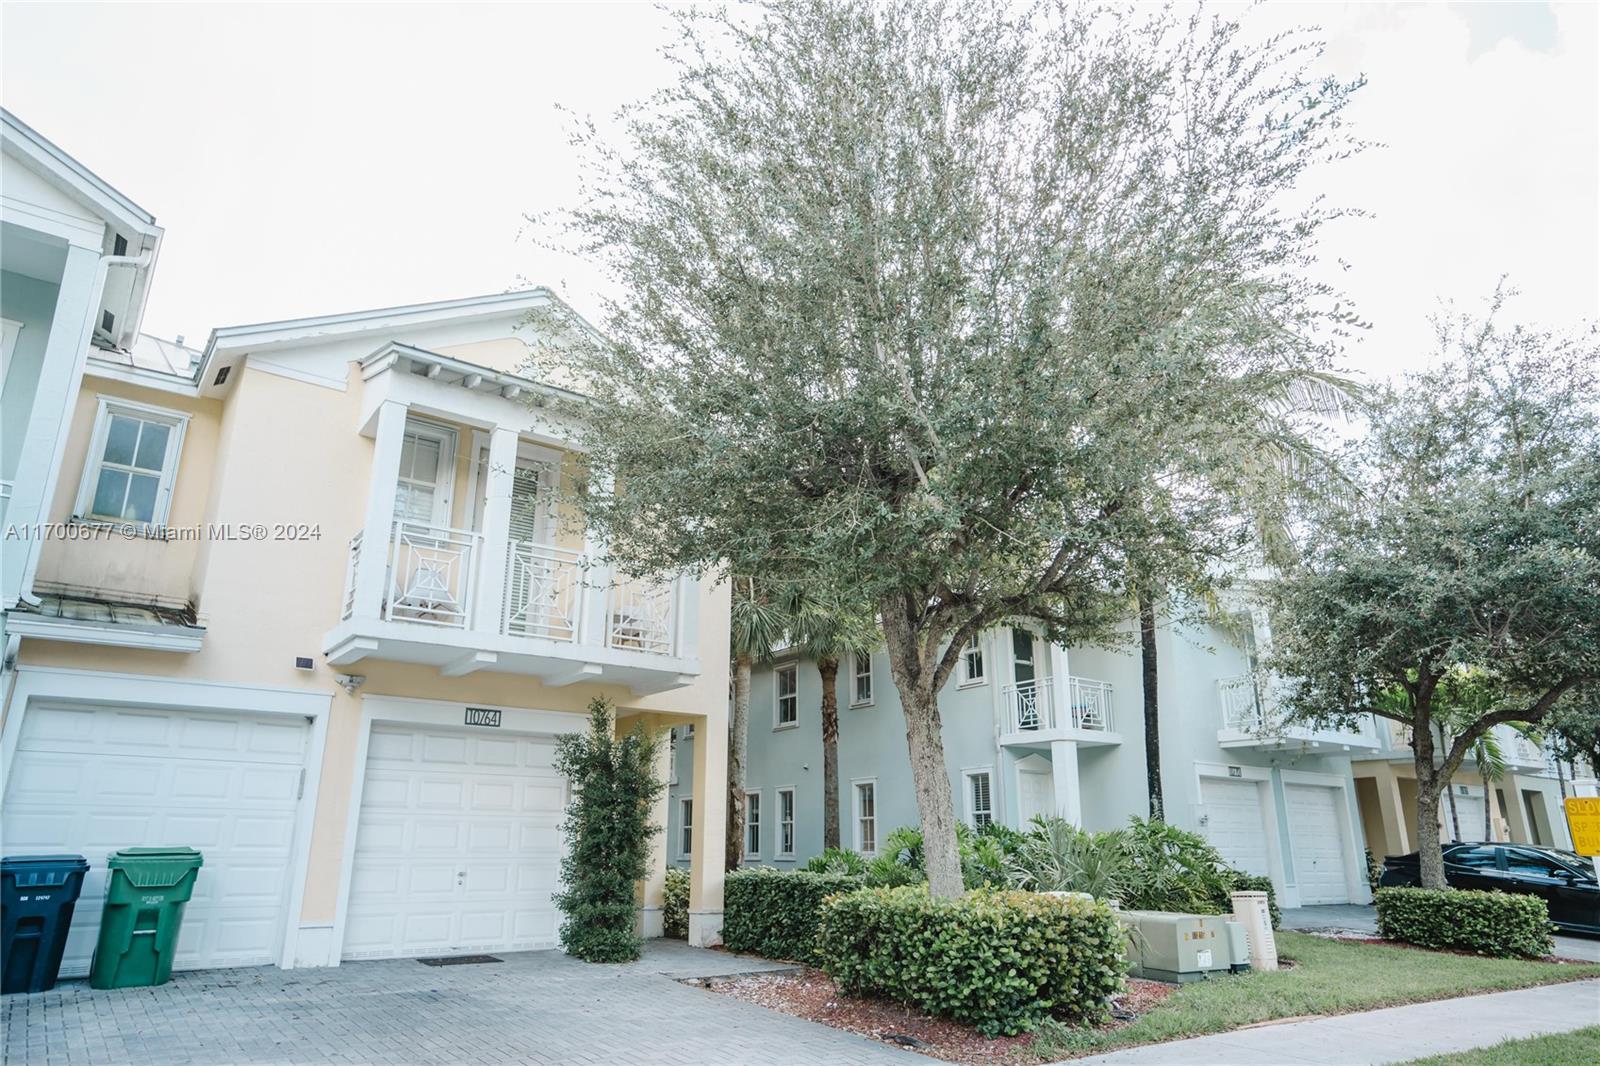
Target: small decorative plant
[608, 831]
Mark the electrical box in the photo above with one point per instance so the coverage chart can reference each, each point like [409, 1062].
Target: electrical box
[1177, 948]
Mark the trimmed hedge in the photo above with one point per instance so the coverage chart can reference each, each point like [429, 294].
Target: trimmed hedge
[774, 913]
[1487, 923]
[675, 905]
[1002, 961]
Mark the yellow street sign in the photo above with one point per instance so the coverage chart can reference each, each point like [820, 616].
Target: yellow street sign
[1583, 819]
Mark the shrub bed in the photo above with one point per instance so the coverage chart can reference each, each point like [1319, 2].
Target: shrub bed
[1002, 961]
[1488, 923]
[774, 913]
[675, 905]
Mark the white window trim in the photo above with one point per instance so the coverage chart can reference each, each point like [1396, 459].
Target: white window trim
[855, 815]
[855, 663]
[685, 821]
[777, 823]
[983, 653]
[966, 787]
[10, 328]
[445, 486]
[760, 822]
[105, 408]
[777, 724]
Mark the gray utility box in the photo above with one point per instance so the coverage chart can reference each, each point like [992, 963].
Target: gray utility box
[1178, 948]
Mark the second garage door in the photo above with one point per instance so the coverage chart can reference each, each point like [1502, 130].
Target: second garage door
[94, 779]
[457, 846]
[1318, 846]
[1234, 822]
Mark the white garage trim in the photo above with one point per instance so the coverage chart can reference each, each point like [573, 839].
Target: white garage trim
[1261, 777]
[433, 713]
[36, 685]
[1355, 860]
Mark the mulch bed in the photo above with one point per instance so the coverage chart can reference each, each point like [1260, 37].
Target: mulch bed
[810, 994]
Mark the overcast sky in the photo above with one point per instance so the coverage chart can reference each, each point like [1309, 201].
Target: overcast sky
[308, 159]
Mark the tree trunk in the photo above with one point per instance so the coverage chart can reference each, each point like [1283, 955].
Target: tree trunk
[829, 669]
[1561, 779]
[1488, 808]
[1152, 706]
[738, 744]
[914, 678]
[1430, 857]
[1455, 818]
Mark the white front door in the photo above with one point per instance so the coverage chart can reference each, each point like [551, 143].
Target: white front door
[92, 780]
[457, 847]
[1036, 795]
[1317, 844]
[1235, 822]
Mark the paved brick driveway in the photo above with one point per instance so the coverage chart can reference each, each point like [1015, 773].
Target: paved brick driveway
[535, 1007]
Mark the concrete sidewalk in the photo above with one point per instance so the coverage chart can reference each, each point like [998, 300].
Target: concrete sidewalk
[1394, 1034]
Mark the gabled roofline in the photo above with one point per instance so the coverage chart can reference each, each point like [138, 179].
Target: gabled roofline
[319, 327]
[77, 178]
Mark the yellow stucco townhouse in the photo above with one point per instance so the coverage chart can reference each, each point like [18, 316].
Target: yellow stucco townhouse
[304, 600]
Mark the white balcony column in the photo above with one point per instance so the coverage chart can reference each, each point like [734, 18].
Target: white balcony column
[496, 555]
[1064, 776]
[50, 415]
[593, 618]
[686, 617]
[377, 528]
[1060, 703]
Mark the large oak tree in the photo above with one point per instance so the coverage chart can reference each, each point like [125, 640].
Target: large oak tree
[913, 298]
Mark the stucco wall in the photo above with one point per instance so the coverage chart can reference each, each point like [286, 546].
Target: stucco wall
[32, 303]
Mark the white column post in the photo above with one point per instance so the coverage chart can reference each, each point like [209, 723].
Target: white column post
[592, 622]
[686, 616]
[372, 568]
[709, 832]
[1056, 657]
[496, 556]
[39, 458]
[1064, 771]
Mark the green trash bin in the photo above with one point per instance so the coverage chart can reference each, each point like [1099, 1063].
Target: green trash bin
[146, 890]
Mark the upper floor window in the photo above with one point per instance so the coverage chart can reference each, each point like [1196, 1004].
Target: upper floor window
[427, 465]
[972, 661]
[787, 711]
[861, 680]
[133, 462]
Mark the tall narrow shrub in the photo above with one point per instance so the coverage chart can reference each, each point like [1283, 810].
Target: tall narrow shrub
[608, 832]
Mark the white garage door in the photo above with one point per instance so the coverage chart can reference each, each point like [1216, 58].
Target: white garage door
[92, 780]
[1469, 813]
[1234, 822]
[1318, 848]
[457, 847]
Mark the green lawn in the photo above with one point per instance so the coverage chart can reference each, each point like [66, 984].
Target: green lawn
[1580, 1047]
[1329, 977]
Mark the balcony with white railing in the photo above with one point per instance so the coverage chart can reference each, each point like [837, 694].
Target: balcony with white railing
[1249, 720]
[1038, 712]
[544, 611]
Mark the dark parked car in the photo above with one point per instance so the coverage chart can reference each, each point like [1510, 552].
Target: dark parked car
[1565, 880]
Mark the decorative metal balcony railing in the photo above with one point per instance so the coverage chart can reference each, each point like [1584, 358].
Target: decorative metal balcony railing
[431, 575]
[544, 592]
[1031, 706]
[642, 615]
[1244, 700]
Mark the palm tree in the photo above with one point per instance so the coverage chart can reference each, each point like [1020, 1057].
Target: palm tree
[1263, 456]
[756, 625]
[826, 628]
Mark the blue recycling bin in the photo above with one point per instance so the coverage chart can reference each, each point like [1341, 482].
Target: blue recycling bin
[37, 896]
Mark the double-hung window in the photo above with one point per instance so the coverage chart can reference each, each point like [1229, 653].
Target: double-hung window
[685, 828]
[752, 825]
[867, 817]
[786, 712]
[860, 680]
[133, 462]
[972, 662]
[785, 848]
[980, 802]
[427, 465]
